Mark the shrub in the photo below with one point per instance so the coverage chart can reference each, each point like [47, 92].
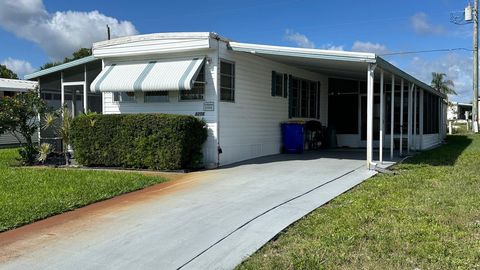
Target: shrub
[155, 141]
[17, 116]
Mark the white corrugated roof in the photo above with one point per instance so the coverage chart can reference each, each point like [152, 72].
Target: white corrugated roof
[161, 75]
[16, 85]
[61, 67]
[327, 61]
[303, 52]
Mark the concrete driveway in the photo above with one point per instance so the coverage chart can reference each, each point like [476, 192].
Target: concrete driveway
[204, 220]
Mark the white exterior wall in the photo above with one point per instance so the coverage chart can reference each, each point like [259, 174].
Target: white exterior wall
[8, 139]
[430, 140]
[175, 106]
[250, 127]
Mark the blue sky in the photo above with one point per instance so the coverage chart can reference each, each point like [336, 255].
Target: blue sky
[33, 32]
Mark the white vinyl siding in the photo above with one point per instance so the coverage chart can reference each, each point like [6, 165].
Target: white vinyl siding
[7, 139]
[430, 140]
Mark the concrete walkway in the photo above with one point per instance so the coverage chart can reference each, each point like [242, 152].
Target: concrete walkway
[209, 220]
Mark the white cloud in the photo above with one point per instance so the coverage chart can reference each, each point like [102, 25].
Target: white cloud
[298, 39]
[60, 33]
[421, 25]
[360, 46]
[457, 67]
[20, 67]
[332, 47]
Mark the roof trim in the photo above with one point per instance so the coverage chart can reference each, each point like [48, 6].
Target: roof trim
[16, 85]
[385, 65]
[70, 64]
[156, 36]
[302, 52]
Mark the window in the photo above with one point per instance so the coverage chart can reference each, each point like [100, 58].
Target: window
[156, 96]
[198, 90]
[227, 81]
[9, 93]
[304, 98]
[123, 96]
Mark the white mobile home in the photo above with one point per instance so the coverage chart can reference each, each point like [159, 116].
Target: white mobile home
[460, 112]
[244, 91]
[9, 88]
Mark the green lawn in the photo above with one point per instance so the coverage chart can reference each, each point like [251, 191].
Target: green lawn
[29, 194]
[427, 216]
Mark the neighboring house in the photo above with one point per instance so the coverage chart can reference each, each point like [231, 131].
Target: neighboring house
[244, 91]
[9, 88]
[459, 111]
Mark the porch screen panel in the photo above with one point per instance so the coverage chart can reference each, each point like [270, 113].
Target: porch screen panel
[343, 105]
[431, 113]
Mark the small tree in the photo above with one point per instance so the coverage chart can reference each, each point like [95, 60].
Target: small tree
[7, 73]
[78, 54]
[441, 84]
[18, 115]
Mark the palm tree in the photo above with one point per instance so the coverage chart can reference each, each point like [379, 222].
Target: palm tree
[441, 84]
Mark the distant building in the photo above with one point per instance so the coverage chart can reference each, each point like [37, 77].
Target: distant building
[458, 111]
[9, 88]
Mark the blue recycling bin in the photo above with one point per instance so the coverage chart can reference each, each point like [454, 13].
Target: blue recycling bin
[293, 137]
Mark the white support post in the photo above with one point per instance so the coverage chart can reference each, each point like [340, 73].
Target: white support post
[420, 113]
[85, 92]
[392, 117]
[39, 117]
[380, 146]
[62, 90]
[415, 118]
[103, 93]
[401, 116]
[409, 127]
[370, 78]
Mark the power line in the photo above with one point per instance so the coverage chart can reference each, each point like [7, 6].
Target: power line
[427, 51]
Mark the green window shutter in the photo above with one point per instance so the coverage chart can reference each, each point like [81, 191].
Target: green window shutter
[285, 85]
[273, 83]
[290, 96]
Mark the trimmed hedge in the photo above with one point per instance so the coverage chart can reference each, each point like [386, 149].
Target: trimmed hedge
[155, 141]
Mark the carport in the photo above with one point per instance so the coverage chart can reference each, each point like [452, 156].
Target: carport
[414, 118]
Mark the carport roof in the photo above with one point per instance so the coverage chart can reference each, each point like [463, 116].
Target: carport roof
[333, 63]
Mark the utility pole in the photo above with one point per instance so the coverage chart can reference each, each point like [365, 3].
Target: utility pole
[475, 68]
[470, 15]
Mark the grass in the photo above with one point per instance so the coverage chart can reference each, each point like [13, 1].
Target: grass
[427, 216]
[30, 194]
